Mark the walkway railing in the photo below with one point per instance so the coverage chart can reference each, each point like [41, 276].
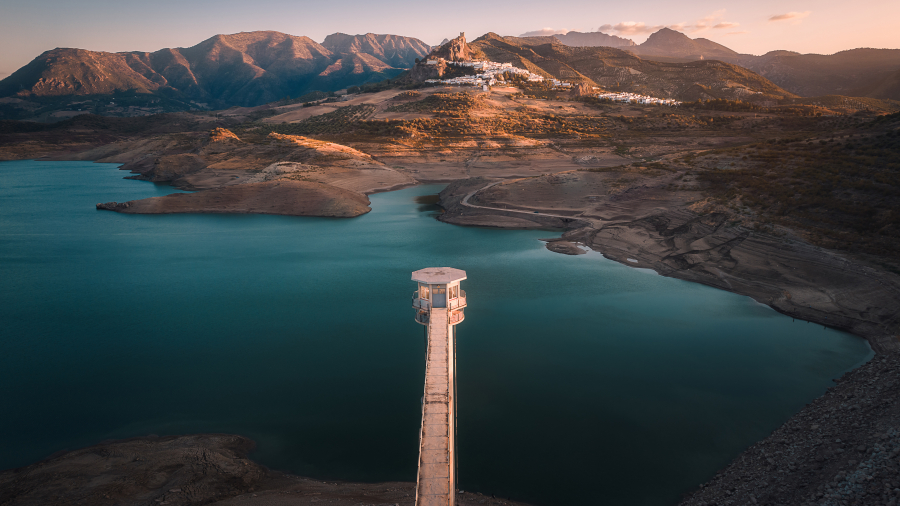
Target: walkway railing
[456, 317]
[459, 301]
[420, 303]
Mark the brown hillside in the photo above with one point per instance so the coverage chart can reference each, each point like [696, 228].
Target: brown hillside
[887, 88]
[856, 72]
[852, 72]
[615, 69]
[392, 50]
[244, 69]
[671, 43]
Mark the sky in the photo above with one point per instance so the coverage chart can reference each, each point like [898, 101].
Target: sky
[30, 27]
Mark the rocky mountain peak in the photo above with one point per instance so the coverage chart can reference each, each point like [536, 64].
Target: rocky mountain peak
[670, 39]
[455, 50]
[246, 69]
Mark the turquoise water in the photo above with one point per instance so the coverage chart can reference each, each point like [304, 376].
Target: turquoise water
[581, 381]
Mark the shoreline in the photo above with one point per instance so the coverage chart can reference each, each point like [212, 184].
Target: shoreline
[812, 284]
[843, 447]
[188, 470]
[621, 248]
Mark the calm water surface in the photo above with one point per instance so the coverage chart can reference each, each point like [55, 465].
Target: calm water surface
[581, 381]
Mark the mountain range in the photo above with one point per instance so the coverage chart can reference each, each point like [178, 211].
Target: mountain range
[243, 69]
[593, 39]
[861, 72]
[254, 68]
[616, 69]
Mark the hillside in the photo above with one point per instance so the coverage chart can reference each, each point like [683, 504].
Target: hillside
[614, 69]
[888, 88]
[244, 69]
[671, 43]
[860, 72]
[840, 189]
[856, 72]
[393, 50]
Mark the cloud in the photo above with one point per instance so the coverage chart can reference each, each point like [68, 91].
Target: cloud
[737, 33]
[544, 32]
[790, 15]
[630, 28]
[713, 21]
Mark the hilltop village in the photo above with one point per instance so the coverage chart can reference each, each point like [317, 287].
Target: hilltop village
[491, 73]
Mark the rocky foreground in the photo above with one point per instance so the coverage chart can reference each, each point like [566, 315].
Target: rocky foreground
[188, 470]
[841, 449]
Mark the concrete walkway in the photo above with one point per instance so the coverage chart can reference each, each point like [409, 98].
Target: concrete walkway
[436, 444]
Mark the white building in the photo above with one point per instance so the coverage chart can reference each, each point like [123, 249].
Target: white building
[489, 72]
[636, 99]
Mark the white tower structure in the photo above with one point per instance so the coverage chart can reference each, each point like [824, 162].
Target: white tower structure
[439, 304]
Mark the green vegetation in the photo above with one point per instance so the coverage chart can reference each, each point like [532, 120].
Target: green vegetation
[536, 90]
[450, 105]
[454, 121]
[399, 82]
[408, 95]
[844, 191]
[343, 120]
[740, 106]
[118, 104]
[724, 105]
[848, 104]
[526, 124]
[622, 150]
[261, 113]
[308, 98]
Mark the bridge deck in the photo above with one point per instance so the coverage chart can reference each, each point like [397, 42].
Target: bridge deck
[435, 479]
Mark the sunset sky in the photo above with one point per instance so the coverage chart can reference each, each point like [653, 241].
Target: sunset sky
[29, 27]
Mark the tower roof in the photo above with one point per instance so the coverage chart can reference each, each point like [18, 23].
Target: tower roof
[438, 275]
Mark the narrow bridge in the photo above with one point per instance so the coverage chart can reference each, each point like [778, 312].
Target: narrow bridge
[439, 303]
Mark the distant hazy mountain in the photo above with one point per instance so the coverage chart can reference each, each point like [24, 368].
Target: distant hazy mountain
[593, 39]
[394, 50]
[856, 72]
[615, 69]
[668, 42]
[244, 69]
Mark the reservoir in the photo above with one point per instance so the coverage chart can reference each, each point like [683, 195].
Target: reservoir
[580, 380]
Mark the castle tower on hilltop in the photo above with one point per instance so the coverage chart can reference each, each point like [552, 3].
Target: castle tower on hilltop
[439, 304]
